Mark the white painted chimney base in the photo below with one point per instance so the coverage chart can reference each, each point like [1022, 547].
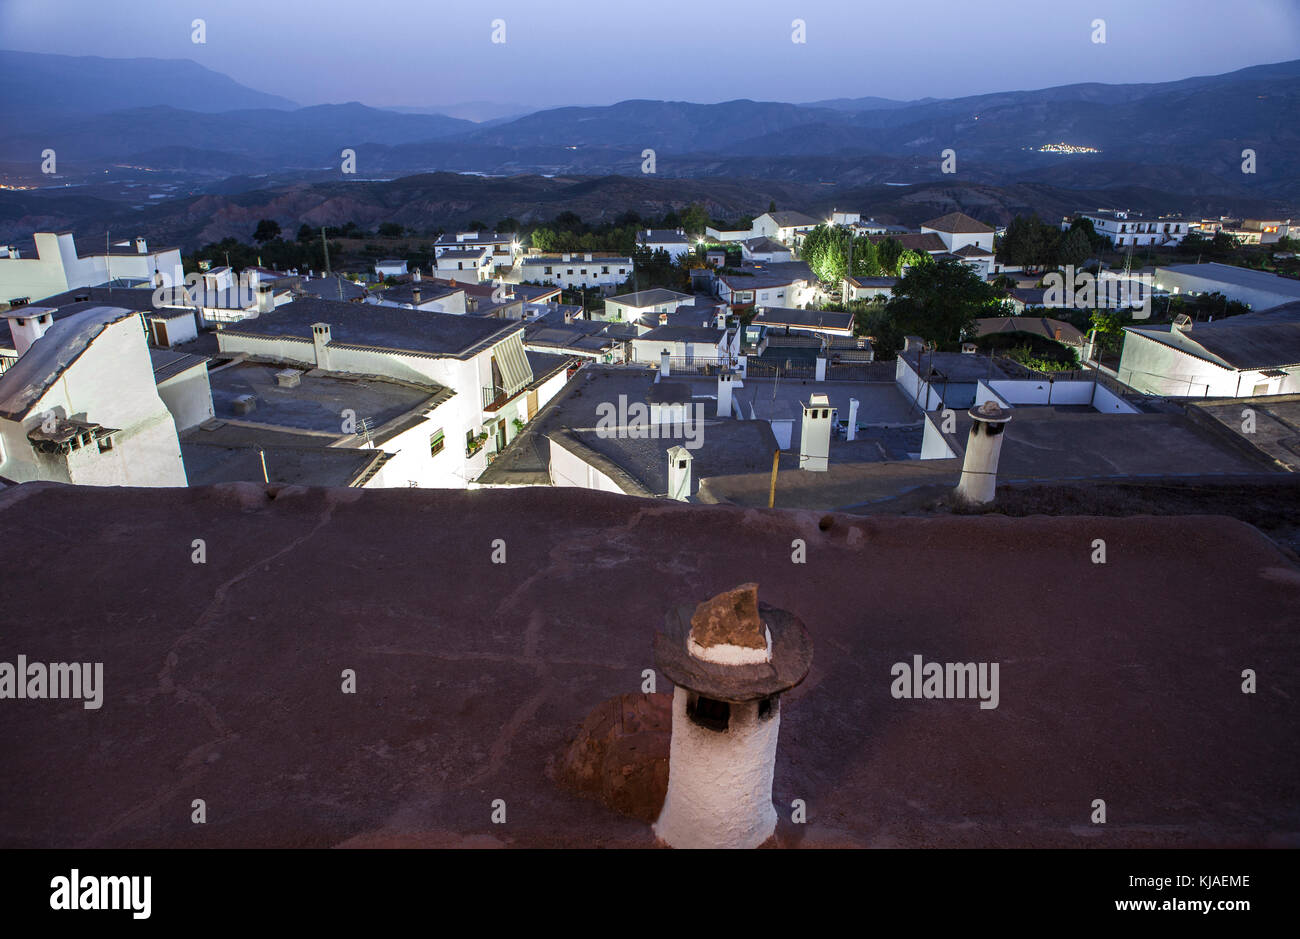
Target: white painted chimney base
[720, 783]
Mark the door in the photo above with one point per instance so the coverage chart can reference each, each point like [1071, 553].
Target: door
[159, 333]
[532, 404]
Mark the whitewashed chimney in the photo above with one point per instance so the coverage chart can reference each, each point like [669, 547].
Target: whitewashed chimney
[722, 752]
[140, 246]
[665, 368]
[815, 437]
[979, 468]
[320, 337]
[853, 420]
[679, 473]
[725, 385]
[27, 324]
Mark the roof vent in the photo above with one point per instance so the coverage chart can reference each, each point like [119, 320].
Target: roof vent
[244, 404]
[1182, 322]
[288, 378]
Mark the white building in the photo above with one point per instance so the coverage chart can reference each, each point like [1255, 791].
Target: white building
[1126, 229]
[80, 405]
[637, 307]
[786, 227]
[473, 264]
[481, 359]
[689, 343]
[847, 219]
[765, 249]
[1239, 356]
[1257, 289]
[575, 270]
[675, 242]
[390, 267]
[503, 248]
[57, 267]
[957, 231]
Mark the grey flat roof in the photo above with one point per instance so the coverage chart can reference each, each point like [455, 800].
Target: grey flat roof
[1238, 277]
[956, 366]
[168, 363]
[383, 327]
[289, 461]
[652, 297]
[806, 319]
[317, 402]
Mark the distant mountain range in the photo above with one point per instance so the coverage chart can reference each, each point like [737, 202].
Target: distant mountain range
[1170, 145]
[38, 83]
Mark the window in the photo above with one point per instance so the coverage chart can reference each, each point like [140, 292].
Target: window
[570, 271]
[621, 271]
[106, 443]
[605, 269]
[708, 713]
[436, 442]
[548, 270]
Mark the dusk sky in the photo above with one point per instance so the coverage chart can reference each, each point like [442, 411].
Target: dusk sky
[426, 54]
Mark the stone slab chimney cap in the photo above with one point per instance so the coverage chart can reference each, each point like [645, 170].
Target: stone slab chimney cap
[790, 660]
[990, 413]
[730, 618]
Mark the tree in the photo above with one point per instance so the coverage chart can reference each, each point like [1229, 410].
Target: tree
[695, 219]
[1075, 247]
[391, 230]
[771, 206]
[1030, 242]
[939, 300]
[507, 225]
[266, 230]
[1097, 242]
[306, 232]
[888, 252]
[825, 251]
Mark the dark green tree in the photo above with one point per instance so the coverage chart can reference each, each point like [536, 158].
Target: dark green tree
[266, 230]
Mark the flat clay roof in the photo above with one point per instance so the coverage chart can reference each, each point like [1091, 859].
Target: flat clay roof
[472, 680]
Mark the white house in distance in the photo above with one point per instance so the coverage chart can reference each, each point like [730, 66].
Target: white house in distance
[575, 270]
[957, 230]
[58, 267]
[786, 227]
[473, 263]
[765, 249]
[635, 307]
[675, 242]
[1238, 356]
[1258, 289]
[1126, 229]
[390, 267]
[503, 247]
[688, 343]
[81, 406]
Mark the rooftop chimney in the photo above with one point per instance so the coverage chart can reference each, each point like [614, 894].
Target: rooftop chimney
[815, 438]
[415, 275]
[730, 661]
[979, 468]
[27, 324]
[140, 246]
[320, 337]
[679, 473]
[725, 384]
[415, 295]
